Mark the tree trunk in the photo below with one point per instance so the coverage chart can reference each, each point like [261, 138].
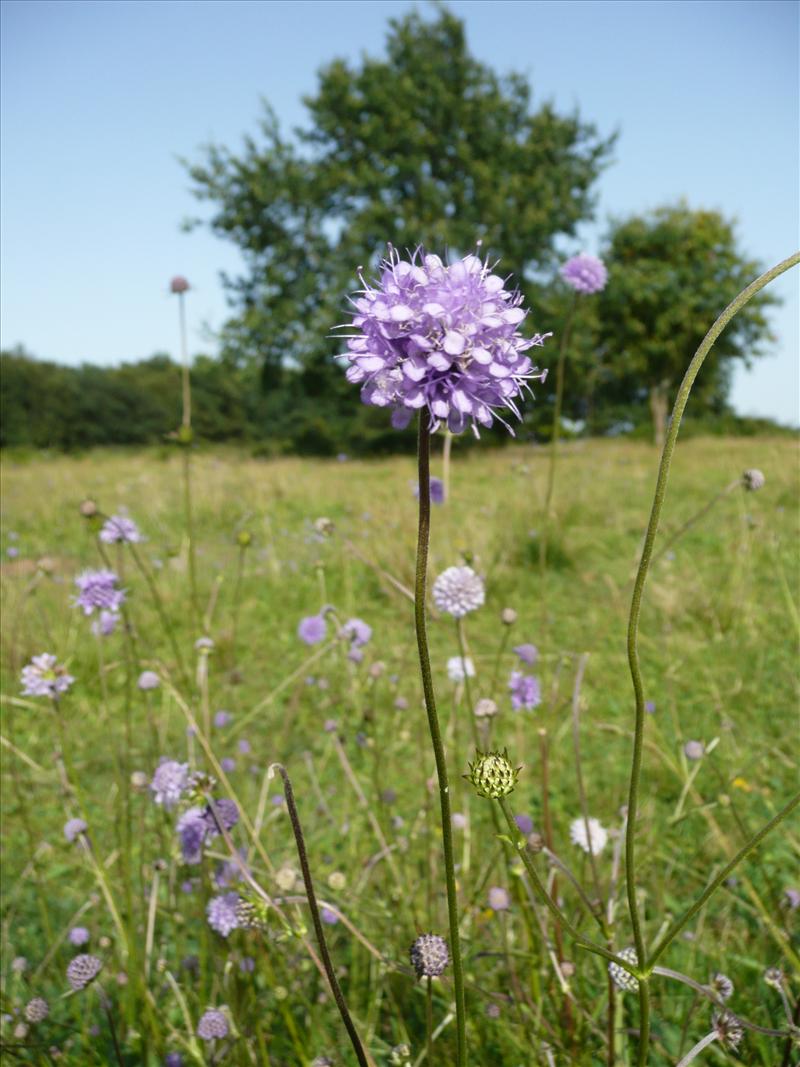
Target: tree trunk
[658, 409]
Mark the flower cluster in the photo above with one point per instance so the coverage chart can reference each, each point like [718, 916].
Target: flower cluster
[444, 337]
[169, 782]
[45, 677]
[198, 825]
[526, 692]
[312, 629]
[223, 913]
[358, 633]
[119, 528]
[586, 274]
[82, 970]
[458, 590]
[99, 591]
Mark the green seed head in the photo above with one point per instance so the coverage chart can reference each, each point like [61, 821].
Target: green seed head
[492, 774]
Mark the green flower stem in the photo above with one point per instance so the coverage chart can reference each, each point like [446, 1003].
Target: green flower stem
[520, 845]
[635, 613]
[670, 935]
[336, 989]
[424, 450]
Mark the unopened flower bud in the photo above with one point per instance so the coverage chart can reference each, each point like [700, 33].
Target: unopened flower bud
[508, 616]
[492, 774]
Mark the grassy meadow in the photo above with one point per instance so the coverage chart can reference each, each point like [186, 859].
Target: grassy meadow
[719, 657]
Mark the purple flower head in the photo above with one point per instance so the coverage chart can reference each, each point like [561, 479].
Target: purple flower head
[443, 337]
[105, 624]
[98, 591]
[228, 764]
[524, 824]
[586, 274]
[221, 913]
[73, 828]
[357, 632]
[328, 916]
[212, 1024]
[44, 677]
[82, 970]
[525, 691]
[78, 935]
[148, 680]
[437, 490]
[230, 871]
[355, 655]
[174, 1059]
[792, 898]
[499, 898]
[120, 528]
[244, 746]
[225, 811]
[650, 707]
[169, 782]
[192, 833]
[312, 629]
[458, 590]
[247, 965]
[222, 718]
[527, 653]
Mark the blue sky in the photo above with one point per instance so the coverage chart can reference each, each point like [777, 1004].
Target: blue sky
[99, 101]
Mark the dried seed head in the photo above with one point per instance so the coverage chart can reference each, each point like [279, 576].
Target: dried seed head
[728, 1028]
[37, 1010]
[492, 774]
[88, 509]
[485, 709]
[508, 616]
[753, 480]
[251, 910]
[82, 970]
[721, 985]
[774, 977]
[621, 978]
[429, 955]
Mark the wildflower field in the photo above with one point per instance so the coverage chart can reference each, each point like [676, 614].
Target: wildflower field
[154, 909]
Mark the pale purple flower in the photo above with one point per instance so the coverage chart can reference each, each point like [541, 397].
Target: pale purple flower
[499, 898]
[526, 692]
[99, 591]
[174, 1059]
[148, 680]
[225, 811]
[441, 337]
[792, 898]
[650, 707]
[586, 274]
[357, 632]
[244, 746]
[312, 629]
[527, 653]
[436, 490]
[459, 820]
[105, 624]
[212, 1024]
[191, 830]
[78, 935]
[82, 970]
[169, 782]
[228, 764]
[247, 964]
[120, 528]
[44, 677]
[12, 551]
[459, 669]
[73, 828]
[694, 750]
[328, 916]
[222, 718]
[221, 913]
[524, 824]
[355, 655]
[458, 590]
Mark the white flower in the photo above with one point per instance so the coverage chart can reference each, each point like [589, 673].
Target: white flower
[458, 590]
[598, 835]
[458, 669]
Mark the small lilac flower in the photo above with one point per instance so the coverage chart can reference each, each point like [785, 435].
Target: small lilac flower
[526, 692]
[312, 629]
[82, 970]
[120, 528]
[458, 590]
[459, 669]
[650, 707]
[187, 886]
[192, 830]
[694, 750]
[459, 820]
[441, 337]
[228, 764]
[527, 653]
[792, 898]
[12, 551]
[247, 965]
[44, 677]
[170, 782]
[499, 898]
[105, 624]
[78, 935]
[330, 726]
[244, 746]
[222, 718]
[99, 591]
[225, 811]
[436, 490]
[524, 824]
[357, 632]
[204, 645]
[212, 1024]
[174, 1059]
[74, 828]
[148, 680]
[222, 915]
[586, 274]
[328, 916]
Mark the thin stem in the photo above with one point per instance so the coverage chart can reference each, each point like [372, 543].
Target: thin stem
[695, 518]
[424, 448]
[636, 607]
[698, 1048]
[693, 909]
[429, 1022]
[338, 996]
[162, 614]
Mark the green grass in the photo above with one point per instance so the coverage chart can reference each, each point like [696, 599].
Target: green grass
[718, 646]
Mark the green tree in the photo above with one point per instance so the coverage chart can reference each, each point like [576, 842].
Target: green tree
[425, 145]
[671, 272]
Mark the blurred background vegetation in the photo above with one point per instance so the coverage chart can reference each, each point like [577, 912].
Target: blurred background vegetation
[425, 144]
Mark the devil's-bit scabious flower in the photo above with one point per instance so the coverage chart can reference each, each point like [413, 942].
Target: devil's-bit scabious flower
[44, 677]
[694, 750]
[586, 274]
[458, 590]
[170, 782]
[37, 1010]
[191, 830]
[222, 718]
[174, 1059]
[527, 653]
[212, 1024]
[120, 528]
[312, 629]
[222, 913]
[728, 1029]
[436, 489]
[526, 692]
[78, 936]
[98, 591]
[621, 978]
[225, 811]
[492, 774]
[459, 669]
[429, 955]
[74, 828]
[82, 970]
[597, 835]
[357, 632]
[499, 898]
[148, 680]
[443, 337]
[105, 624]
[753, 480]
